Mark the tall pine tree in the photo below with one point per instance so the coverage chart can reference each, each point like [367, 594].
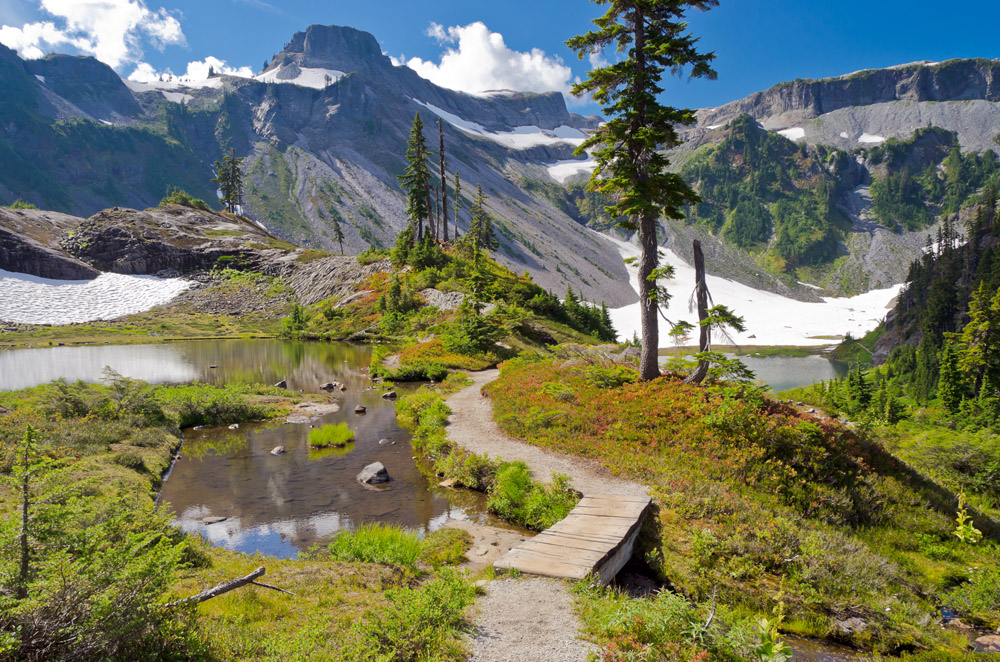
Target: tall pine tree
[416, 179]
[652, 37]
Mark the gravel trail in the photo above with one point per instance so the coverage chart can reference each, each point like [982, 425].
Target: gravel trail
[526, 619]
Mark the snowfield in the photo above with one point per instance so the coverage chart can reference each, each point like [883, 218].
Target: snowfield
[563, 170]
[522, 137]
[771, 319]
[32, 300]
[794, 134]
[868, 139]
[309, 77]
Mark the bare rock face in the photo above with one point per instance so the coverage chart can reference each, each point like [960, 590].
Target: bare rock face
[27, 239]
[374, 474]
[988, 644]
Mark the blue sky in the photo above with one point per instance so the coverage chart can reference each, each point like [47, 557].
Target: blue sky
[758, 43]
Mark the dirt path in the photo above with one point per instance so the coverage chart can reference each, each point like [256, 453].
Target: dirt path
[472, 426]
[527, 618]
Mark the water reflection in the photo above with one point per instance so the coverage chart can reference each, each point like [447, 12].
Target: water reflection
[274, 504]
[782, 373]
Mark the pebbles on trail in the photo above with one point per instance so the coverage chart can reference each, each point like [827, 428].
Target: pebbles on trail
[527, 619]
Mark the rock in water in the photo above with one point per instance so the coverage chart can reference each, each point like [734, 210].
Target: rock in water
[329, 386]
[343, 388]
[988, 644]
[391, 395]
[374, 474]
[281, 384]
[360, 409]
[213, 519]
[234, 426]
[277, 450]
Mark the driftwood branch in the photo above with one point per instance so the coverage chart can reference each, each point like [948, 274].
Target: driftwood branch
[273, 588]
[224, 587]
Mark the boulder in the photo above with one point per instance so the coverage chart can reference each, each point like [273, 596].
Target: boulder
[329, 386]
[374, 474]
[360, 409]
[385, 442]
[277, 450]
[281, 384]
[851, 625]
[234, 426]
[214, 519]
[391, 395]
[343, 388]
[988, 644]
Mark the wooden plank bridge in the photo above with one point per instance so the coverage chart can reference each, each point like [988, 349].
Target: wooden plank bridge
[595, 538]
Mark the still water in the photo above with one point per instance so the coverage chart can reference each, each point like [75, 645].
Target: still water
[274, 504]
[782, 373]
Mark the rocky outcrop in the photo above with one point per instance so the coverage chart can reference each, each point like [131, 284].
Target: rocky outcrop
[88, 84]
[176, 239]
[27, 246]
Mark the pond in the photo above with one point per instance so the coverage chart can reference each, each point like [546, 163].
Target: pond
[274, 504]
[782, 373]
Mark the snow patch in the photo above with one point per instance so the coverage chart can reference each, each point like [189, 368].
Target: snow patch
[107, 123]
[520, 137]
[811, 287]
[868, 139]
[771, 318]
[313, 77]
[563, 170]
[843, 134]
[177, 97]
[173, 83]
[795, 133]
[712, 127]
[41, 79]
[29, 299]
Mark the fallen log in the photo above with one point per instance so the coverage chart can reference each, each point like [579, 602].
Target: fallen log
[226, 587]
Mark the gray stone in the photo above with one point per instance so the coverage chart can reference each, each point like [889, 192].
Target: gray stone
[360, 409]
[277, 450]
[391, 395]
[214, 519]
[374, 474]
[329, 386]
[988, 644]
[281, 384]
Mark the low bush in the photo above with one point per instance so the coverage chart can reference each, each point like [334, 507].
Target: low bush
[515, 498]
[377, 542]
[131, 460]
[179, 197]
[337, 436]
[446, 546]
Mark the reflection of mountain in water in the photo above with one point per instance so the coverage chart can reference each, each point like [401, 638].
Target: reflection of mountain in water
[23, 368]
[304, 365]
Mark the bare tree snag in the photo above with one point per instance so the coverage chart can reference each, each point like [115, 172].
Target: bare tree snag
[701, 294]
[226, 587]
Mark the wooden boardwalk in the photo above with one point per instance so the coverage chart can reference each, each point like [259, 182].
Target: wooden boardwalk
[595, 538]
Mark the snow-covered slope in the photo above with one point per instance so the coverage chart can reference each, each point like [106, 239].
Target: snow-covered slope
[314, 77]
[771, 319]
[33, 300]
[520, 137]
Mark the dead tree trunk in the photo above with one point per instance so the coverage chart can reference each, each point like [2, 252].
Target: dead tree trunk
[224, 587]
[701, 294]
[444, 184]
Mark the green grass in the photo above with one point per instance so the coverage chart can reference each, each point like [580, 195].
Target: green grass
[336, 436]
[446, 546]
[514, 497]
[377, 542]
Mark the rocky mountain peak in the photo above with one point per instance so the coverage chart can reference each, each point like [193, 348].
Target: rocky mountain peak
[333, 47]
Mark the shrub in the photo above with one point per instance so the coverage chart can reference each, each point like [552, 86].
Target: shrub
[377, 543]
[446, 546]
[131, 460]
[515, 498]
[21, 204]
[331, 435]
[179, 197]
[427, 618]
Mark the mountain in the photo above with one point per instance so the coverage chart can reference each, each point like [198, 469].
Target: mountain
[829, 183]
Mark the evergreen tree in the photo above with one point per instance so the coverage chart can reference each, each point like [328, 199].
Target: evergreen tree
[416, 179]
[481, 227]
[951, 387]
[652, 37]
[229, 179]
[980, 340]
[338, 233]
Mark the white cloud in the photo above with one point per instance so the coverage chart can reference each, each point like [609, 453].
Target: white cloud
[113, 31]
[479, 60]
[197, 70]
